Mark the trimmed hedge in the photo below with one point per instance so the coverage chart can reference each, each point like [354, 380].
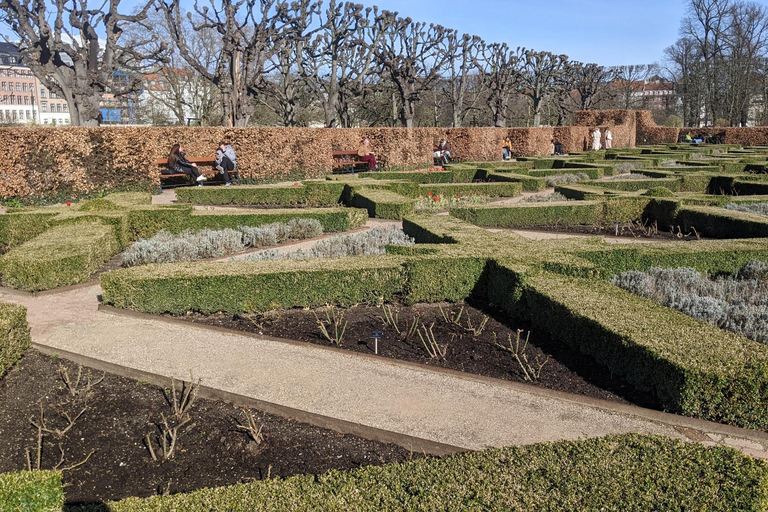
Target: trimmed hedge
[721, 223]
[571, 213]
[693, 368]
[14, 335]
[454, 175]
[61, 256]
[529, 183]
[383, 204]
[309, 193]
[593, 172]
[509, 189]
[17, 228]
[146, 223]
[31, 491]
[672, 184]
[711, 256]
[247, 286]
[631, 473]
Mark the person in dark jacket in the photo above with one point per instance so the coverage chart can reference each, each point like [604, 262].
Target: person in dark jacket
[225, 161]
[178, 163]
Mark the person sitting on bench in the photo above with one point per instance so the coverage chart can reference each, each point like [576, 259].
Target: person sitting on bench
[559, 150]
[226, 161]
[445, 151]
[365, 154]
[178, 163]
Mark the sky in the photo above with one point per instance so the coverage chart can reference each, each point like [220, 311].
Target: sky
[607, 32]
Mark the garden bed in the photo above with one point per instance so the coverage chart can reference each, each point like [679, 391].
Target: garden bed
[565, 369]
[119, 414]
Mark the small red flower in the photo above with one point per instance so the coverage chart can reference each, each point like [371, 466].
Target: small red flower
[68, 203]
[296, 184]
[429, 193]
[456, 196]
[436, 198]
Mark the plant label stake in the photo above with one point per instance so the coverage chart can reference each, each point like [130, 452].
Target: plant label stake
[376, 335]
[616, 224]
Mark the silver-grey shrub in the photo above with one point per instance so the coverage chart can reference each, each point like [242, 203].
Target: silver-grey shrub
[759, 208]
[369, 243]
[546, 198]
[166, 247]
[630, 177]
[559, 179]
[737, 303]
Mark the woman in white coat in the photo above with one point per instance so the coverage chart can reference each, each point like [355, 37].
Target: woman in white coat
[596, 135]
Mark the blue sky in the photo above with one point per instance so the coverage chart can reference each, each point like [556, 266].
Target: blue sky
[607, 32]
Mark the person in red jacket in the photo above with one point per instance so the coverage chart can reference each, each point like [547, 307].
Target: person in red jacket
[365, 153]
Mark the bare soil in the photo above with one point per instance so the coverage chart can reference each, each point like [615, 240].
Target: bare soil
[119, 413]
[479, 352]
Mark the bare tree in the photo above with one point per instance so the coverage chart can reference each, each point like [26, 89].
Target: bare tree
[250, 32]
[282, 87]
[627, 80]
[500, 77]
[705, 25]
[684, 68]
[336, 61]
[462, 60]
[69, 58]
[746, 45]
[412, 57]
[540, 70]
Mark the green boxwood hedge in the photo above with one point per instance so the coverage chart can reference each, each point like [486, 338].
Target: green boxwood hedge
[529, 183]
[693, 368]
[61, 256]
[14, 335]
[716, 222]
[246, 286]
[383, 204]
[571, 213]
[308, 194]
[509, 189]
[17, 228]
[630, 473]
[31, 491]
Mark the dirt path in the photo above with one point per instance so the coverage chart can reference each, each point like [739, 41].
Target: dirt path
[455, 409]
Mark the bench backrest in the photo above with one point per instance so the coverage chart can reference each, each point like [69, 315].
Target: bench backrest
[344, 153]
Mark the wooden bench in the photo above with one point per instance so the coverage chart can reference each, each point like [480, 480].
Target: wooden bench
[347, 161]
[204, 166]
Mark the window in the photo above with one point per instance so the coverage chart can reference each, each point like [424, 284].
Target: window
[42, 93]
[58, 107]
[5, 86]
[24, 87]
[18, 86]
[5, 99]
[29, 115]
[26, 100]
[65, 108]
[15, 115]
[44, 106]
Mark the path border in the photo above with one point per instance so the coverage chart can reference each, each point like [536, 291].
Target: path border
[412, 443]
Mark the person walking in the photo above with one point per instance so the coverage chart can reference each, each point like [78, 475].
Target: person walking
[178, 163]
[596, 135]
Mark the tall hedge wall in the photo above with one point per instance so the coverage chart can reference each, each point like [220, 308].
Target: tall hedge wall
[42, 161]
